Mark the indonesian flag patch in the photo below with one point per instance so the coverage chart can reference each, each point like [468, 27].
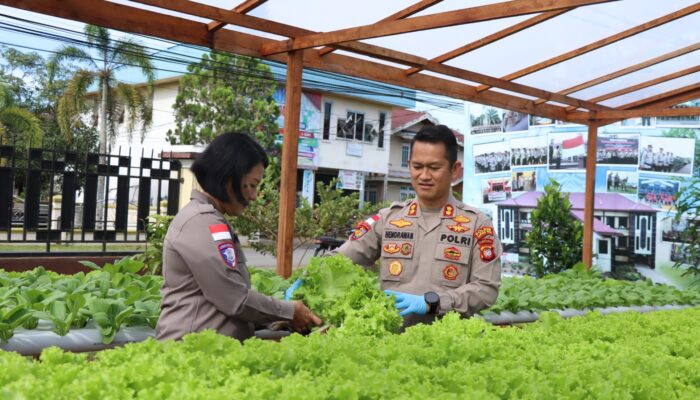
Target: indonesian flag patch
[220, 232]
[228, 254]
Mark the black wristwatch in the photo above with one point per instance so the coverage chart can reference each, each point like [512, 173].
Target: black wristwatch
[433, 301]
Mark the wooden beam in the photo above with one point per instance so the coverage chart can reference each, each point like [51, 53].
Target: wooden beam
[646, 84]
[636, 113]
[675, 99]
[290, 145]
[660, 97]
[405, 13]
[187, 31]
[589, 204]
[492, 38]
[633, 68]
[243, 8]
[433, 21]
[601, 43]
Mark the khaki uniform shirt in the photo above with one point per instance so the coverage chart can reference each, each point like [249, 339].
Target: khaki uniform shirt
[206, 282]
[457, 256]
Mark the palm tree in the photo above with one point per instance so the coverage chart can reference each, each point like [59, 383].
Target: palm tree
[491, 115]
[113, 98]
[116, 102]
[15, 120]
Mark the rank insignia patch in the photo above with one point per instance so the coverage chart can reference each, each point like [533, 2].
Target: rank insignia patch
[483, 232]
[406, 248]
[395, 268]
[448, 211]
[400, 223]
[219, 232]
[458, 228]
[412, 210]
[487, 253]
[452, 253]
[450, 272]
[228, 254]
[392, 248]
[461, 219]
[360, 230]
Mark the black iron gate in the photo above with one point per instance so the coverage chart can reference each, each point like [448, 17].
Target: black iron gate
[132, 189]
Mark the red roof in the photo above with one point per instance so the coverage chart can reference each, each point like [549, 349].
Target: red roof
[401, 117]
[598, 226]
[603, 202]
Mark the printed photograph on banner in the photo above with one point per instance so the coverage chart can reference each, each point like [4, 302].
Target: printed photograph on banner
[618, 149]
[679, 252]
[623, 182]
[487, 121]
[513, 121]
[658, 192]
[672, 230]
[681, 121]
[529, 151]
[642, 122]
[491, 157]
[496, 189]
[524, 181]
[567, 150]
[540, 121]
[669, 155]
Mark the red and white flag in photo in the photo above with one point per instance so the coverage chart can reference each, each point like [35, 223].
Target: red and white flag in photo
[573, 147]
[220, 232]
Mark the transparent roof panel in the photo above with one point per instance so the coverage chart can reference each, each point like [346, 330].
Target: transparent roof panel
[654, 90]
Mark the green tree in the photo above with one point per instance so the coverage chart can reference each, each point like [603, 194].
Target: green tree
[688, 133]
[333, 215]
[222, 93]
[491, 115]
[688, 206]
[17, 122]
[555, 239]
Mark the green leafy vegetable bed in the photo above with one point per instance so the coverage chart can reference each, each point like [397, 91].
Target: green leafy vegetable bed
[623, 356]
[579, 289]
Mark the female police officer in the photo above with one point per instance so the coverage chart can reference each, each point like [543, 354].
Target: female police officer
[207, 284]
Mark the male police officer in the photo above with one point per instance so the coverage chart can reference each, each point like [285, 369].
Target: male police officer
[437, 254]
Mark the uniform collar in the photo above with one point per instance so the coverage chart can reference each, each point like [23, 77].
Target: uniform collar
[202, 198]
[449, 210]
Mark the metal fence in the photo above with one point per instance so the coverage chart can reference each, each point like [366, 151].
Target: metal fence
[67, 197]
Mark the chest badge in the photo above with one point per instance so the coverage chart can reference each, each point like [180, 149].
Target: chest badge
[395, 268]
[450, 272]
[392, 248]
[400, 223]
[406, 248]
[461, 219]
[452, 253]
[458, 228]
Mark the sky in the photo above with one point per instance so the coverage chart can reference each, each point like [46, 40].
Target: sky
[551, 38]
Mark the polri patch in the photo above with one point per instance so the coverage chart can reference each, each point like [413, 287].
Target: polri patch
[400, 223]
[483, 232]
[360, 230]
[395, 268]
[450, 272]
[452, 253]
[449, 238]
[228, 254]
[406, 248]
[392, 248]
[487, 253]
[219, 232]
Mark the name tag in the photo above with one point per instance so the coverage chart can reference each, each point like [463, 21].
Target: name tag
[404, 235]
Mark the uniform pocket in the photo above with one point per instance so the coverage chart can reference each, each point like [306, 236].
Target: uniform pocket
[451, 267]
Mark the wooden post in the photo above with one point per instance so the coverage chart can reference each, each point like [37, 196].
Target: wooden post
[288, 184]
[589, 205]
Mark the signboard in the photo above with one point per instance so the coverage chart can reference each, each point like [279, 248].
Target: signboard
[309, 127]
[350, 180]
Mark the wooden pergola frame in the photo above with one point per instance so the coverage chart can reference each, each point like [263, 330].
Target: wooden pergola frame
[305, 48]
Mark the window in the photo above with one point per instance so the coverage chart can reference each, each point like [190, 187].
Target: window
[326, 120]
[602, 247]
[523, 235]
[406, 192]
[524, 217]
[371, 196]
[622, 222]
[380, 134]
[610, 221]
[352, 127]
[622, 242]
[405, 154]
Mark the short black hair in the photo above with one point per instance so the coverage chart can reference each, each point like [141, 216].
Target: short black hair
[226, 159]
[438, 134]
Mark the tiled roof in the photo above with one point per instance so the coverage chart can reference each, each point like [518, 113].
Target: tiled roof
[603, 202]
[598, 226]
[401, 117]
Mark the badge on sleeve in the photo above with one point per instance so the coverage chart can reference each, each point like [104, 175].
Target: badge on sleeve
[483, 232]
[363, 227]
[219, 232]
[412, 210]
[228, 254]
[487, 253]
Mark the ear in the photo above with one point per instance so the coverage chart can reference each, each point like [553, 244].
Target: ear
[456, 170]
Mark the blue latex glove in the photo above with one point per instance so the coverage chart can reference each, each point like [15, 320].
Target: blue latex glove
[408, 303]
[290, 290]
